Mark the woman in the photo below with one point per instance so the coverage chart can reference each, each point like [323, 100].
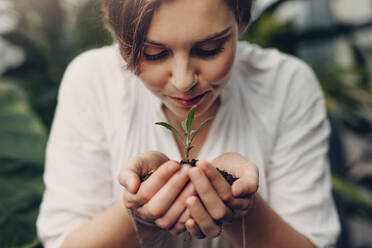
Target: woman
[270, 130]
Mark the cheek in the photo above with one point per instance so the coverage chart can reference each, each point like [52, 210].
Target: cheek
[153, 76]
[217, 71]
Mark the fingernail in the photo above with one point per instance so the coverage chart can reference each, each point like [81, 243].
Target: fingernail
[189, 222]
[190, 200]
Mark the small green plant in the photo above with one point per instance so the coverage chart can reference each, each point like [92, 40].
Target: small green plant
[188, 133]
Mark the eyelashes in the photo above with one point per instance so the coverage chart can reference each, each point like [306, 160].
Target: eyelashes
[207, 53]
[157, 56]
[197, 51]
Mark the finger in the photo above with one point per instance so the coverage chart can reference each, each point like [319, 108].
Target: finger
[201, 217]
[138, 166]
[147, 162]
[177, 230]
[245, 186]
[212, 202]
[131, 201]
[238, 203]
[243, 211]
[185, 216]
[219, 183]
[143, 195]
[179, 226]
[193, 229]
[177, 208]
[223, 188]
[180, 223]
[247, 183]
[163, 199]
[155, 158]
[157, 180]
[129, 180]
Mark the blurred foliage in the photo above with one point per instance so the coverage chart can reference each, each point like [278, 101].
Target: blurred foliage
[357, 199]
[50, 37]
[22, 145]
[51, 34]
[50, 40]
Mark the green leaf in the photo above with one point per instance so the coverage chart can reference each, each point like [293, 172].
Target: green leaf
[22, 135]
[22, 144]
[164, 124]
[190, 118]
[194, 132]
[184, 126]
[353, 193]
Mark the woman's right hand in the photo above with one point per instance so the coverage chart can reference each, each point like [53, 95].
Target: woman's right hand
[154, 200]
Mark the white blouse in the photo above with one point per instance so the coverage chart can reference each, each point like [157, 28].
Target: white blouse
[272, 112]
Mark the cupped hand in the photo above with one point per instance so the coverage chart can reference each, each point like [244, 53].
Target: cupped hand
[217, 201]
[160, 198]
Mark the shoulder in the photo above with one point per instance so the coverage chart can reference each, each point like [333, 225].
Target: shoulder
[97, 60]
[270, 71]
[271, 84]
[100, 69]
[255, 60]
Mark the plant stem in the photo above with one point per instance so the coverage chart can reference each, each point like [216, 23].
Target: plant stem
[187, 154]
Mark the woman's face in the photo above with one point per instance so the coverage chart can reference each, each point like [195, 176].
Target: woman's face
[188, 54]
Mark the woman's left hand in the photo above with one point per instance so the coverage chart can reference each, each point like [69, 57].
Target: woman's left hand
[218, 202]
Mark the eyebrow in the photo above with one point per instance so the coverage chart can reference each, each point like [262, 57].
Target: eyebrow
[205, 40]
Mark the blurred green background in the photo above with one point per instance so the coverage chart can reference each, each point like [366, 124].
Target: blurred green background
[38, 38]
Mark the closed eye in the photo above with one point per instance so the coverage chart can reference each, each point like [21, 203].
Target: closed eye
[207, 53]
[202, 50]
[155, 56]
[209, 49]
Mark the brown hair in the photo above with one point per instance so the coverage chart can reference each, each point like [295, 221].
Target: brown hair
[129, 20]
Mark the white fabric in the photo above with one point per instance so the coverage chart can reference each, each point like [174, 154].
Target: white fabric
[272, 112]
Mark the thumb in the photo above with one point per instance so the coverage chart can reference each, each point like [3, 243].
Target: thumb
[151, 160]
[146, 162]
[129, 180]
[139, 166]
[245, 186]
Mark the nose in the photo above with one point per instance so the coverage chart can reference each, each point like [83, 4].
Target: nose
[183, 74]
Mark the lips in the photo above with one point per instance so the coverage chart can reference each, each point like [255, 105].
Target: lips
[188, 102]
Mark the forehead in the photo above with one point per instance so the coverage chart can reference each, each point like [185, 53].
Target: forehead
[183, 21]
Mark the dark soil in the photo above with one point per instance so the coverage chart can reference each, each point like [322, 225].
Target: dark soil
[193, 162]
[143, 178]
[229, 178]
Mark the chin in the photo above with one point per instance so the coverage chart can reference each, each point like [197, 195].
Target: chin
[181, 112]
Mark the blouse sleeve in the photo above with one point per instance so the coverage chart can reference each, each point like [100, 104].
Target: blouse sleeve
[299, 175]
[77, 175]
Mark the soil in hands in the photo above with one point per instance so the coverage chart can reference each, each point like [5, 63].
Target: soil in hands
[228, 177]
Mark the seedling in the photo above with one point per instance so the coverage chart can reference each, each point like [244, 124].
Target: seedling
[187, 141]
[189, 135]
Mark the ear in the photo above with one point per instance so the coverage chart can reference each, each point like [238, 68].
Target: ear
[242, 27]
